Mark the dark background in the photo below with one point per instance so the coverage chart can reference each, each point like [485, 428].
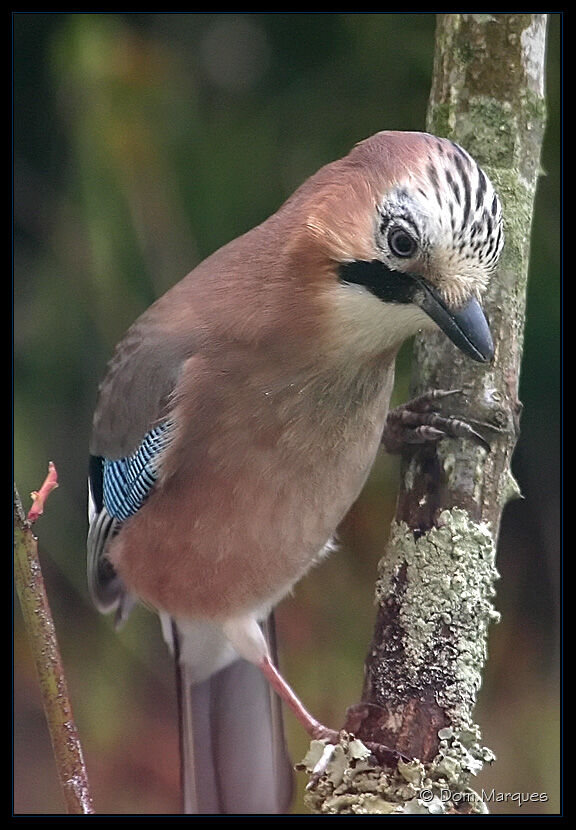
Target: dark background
[142, 143]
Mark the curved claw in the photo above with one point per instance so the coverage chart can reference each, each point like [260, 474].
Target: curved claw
[418, 422]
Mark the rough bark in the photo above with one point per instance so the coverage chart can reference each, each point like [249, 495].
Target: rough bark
[436, 580]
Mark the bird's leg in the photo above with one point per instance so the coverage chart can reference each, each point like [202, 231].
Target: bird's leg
[314, 728]
[246, 635]
[417, 422]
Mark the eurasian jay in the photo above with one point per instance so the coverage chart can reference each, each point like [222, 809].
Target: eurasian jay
[240, 417]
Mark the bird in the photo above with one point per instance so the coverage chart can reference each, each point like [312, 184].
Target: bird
[240, 417]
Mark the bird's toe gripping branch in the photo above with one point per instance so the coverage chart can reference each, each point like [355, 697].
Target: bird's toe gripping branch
[418, 422]
[316, 730]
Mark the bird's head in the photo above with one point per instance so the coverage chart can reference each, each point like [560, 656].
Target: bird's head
[412, 228]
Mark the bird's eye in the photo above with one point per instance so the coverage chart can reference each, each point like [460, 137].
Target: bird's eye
[401, 243]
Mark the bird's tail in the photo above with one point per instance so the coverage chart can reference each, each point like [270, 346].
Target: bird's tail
[232, 746]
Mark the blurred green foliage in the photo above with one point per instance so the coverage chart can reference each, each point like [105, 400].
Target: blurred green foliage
[142, 142]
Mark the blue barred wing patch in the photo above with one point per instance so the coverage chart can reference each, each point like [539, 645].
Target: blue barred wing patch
[128, 481]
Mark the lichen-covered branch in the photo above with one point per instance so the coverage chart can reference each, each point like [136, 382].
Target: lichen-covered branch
[436, 580]
[44, 645]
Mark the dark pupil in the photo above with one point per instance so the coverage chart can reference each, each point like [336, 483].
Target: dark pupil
[401, 244]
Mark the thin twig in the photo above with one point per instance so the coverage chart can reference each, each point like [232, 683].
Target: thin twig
[39, 496]
[43, 642]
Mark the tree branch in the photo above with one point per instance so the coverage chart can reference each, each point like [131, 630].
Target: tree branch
[42, 637]
[436, 580]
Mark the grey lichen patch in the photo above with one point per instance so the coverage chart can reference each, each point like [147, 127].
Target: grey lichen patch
[342, 783]
[347, 785]
[449, 575]
[460, 754]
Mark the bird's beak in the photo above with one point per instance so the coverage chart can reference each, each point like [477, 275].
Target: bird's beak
[466, 326]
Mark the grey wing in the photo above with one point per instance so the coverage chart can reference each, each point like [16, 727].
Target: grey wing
[129, 434]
